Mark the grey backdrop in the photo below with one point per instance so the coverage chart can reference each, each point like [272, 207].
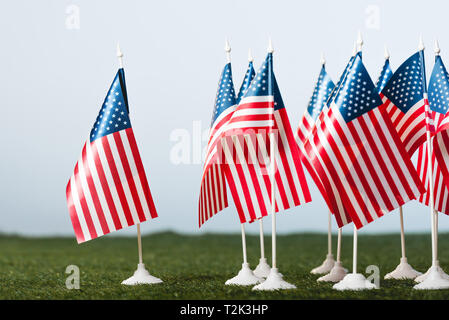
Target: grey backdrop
[56, 70]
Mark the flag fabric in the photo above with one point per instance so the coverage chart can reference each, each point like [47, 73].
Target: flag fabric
[321, 93]
[438, 93]
[246, 150]
[403, 98]
[440, 190]
[213, 195]
[310, 161]
[359, 155]
[108, 189]
[385, 76]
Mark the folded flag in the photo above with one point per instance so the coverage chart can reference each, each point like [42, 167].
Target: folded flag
[108, 189]
[247, 156]
[357, 150]
[213, 196]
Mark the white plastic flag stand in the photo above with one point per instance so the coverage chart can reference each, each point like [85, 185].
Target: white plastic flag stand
[245, 277]
[404, 270]
[263, 269]
[337, 272]
[141, 275]
[354, 280]
[434, 278]
[275, 280]
[329, 262]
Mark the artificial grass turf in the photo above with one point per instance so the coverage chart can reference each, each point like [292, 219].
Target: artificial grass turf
[196, 267]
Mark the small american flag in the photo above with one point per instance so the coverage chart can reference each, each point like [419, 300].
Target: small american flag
[321, 94]
[358, 151]
[404, 99]
[246, 150]
[108, 189]
[213, 196]
[385, 75]
[439, 106]
[309, 158]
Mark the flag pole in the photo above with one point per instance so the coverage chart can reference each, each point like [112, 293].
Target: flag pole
[337, 273]
[329, 262]
[275, 279]
[141, 275]
[354, 280]
[245, 276]
[404, 270]
[262, 269]
[434, 278]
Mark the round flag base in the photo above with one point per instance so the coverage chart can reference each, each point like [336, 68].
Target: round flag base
[263, 269]
[403, 271]
[354, 281]
[245, 277]
[337, 273]
[274, 281]
[141, 276]
[326, 266]
[436, 266]
[433, 281]
[423, 277]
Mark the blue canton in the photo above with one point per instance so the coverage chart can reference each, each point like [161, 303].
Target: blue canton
[439, 87]
[406, 86]
[113, 115]
[260, 86]
[321, 93]
[357, 93]
[343, 75]
[225, 93]
[384, 76]
[249, 76]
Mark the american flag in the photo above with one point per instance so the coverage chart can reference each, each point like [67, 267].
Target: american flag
[385, 75]
[358, 151]
[321, 93]
[439, 104]
[310, 161]
[213, 196]
[108, 189]
[404, 99]
[246, 150]
[440, 190]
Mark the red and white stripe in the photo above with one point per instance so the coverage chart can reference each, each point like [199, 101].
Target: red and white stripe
[441, 194]
[410, 126]
[109, 189]
[247, 160]
[363, 165]
[213, 196]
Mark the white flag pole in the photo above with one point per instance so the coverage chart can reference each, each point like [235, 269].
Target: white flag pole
[354, 280]
[329, 262]
[262, 269]
[404, 270]
[434, 278]
[337, 272]
[141, 275]
[274, 280]
[245, 276]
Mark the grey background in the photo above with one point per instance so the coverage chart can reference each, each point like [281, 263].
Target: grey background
[54, 80]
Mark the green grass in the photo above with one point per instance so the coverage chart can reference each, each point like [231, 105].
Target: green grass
[196, 267]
